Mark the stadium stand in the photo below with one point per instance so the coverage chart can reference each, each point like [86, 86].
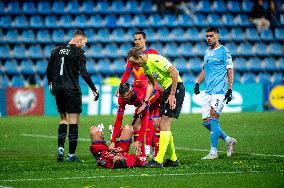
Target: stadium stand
[29, 30]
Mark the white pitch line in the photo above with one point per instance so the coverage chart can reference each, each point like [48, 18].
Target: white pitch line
[140, 175]
[179, 148]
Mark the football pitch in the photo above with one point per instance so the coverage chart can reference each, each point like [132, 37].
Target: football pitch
[28, 148]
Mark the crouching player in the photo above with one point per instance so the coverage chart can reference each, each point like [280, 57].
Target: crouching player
[117, 157]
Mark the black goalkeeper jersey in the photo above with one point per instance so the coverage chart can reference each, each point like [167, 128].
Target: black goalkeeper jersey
[64, 66]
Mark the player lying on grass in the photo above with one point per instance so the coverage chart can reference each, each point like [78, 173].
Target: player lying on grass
[135, 95]
[118, 156]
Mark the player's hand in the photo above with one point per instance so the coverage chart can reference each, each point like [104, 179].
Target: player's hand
[228, 96]
[96, 94]
[142, 108]
[196, 89]
[137, 147]
[172, 101]
[51, 88]
[112, 146]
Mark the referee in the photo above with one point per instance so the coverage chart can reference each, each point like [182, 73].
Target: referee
[65, 63]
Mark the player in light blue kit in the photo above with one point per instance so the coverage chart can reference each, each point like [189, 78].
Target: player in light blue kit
[217, 68]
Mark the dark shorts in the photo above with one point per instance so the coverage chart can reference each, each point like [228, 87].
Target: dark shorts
[165, 107]
[68, 104]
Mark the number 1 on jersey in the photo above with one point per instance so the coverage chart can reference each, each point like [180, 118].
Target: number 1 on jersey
[61, 66]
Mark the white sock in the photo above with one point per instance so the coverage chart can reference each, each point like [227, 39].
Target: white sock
[227, 139]
[60, 148]
[213, 150]
[147, 150]
[71, 155]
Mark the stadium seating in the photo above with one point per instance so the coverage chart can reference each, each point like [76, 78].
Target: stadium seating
[27, 67]
[11, 67]
[17, 81]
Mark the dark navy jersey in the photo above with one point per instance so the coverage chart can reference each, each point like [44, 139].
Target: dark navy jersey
[65, 64]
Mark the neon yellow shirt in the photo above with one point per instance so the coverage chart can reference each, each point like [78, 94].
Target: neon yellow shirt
[157, 67]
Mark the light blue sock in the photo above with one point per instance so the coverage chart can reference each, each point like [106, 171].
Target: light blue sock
[222, 135]
[215, 132]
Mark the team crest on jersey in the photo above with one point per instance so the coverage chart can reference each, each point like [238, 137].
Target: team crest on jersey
[156, 76]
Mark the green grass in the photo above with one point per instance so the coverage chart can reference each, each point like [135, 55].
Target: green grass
[28, 155]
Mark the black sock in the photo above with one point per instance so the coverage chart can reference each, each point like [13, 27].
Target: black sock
[73, 138]
[62, 132]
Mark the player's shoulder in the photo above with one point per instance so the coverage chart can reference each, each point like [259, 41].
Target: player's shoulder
[151, 51]
[224, 49]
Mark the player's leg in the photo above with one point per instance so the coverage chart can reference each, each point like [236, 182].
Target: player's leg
[96, 134]
[149, 136]
[136, 128]
[125, 138]
[156, 136]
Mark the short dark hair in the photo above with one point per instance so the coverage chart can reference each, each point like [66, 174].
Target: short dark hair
[213, 29]
[123, 88]
[140, 33]
[79, 32]
[120, 163]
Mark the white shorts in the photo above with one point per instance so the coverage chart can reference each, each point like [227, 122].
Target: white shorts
[216, 101]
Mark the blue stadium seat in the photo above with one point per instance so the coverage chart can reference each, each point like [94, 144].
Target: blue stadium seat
[170, 20]
[29, 7]
[275, 49]
[228, 20]
[162, 33]
[213, 20]
[264, 78]
[281, 64]
[237, 78]
[232, 47]
[237, 34]
[267, 35]
[255, 64]
[36, 21]
[4, 81]
[95, 51]
[279, 34]
[124, 48]
[97, 79]
[27, 67]
[81, 21]
[186, 49]
[47, 50]
[96, 21]
[132, 6]
[5, 51]
[88, 7]
[195, 64]
[155, 20]
[199, 49]
[103, 35]
[43, 7]
[249, 78]
[117, 35]
[11, 67]
[50, 21]
[104, 66]
[225, 35]
[185, 20]
[270, 64]
[6, 22]
[58, 35]
[65, 21]
[251, 34]
[148, 7]
[151, 35]
[110, 21]
[219, 6]
[92, 37]
[90, 65]
[58, 7]
[14, 7]
[277, 78]
[189, 78]
[204, 6]
[12, 36]
[234, 6]
[171, 50]
[177, 34]
[43, 36]
[199, 20]
[247, 5]
[73, 7]
[282, 19]
[193, 34]
[19, 51]
[28, 36]
[103, 7]
[260, 49]
[125, 21]
[117, 7]
[35, 51]
[40, 66]
[157, 46]
[111, 50]
[245, 49]
[240, 64]
[21, 22]
[118, 66]
[17, 81]
[2, 8]
[242, 20]
[2, 37]
[181, 65]
[140, 20]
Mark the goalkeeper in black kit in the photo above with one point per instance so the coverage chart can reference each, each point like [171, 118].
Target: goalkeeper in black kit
[65, 64]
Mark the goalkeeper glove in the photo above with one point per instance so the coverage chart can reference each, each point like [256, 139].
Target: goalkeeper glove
[96, 94]
[196, 89]
[228, 96]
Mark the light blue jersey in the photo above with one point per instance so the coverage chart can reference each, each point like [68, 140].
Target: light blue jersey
[216, 63]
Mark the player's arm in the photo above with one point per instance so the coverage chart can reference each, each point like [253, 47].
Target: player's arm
[230, 72]
[174, 74]
[127, 72]
[199, 80]
[230, 75]
[50, 67]
[149, 91]
[118, 121]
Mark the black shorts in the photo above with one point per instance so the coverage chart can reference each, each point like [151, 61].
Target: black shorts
[68, 104]
[165, 107]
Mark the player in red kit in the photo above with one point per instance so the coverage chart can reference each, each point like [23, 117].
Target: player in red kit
[141, 80]
[117, 157]
[135, 96]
